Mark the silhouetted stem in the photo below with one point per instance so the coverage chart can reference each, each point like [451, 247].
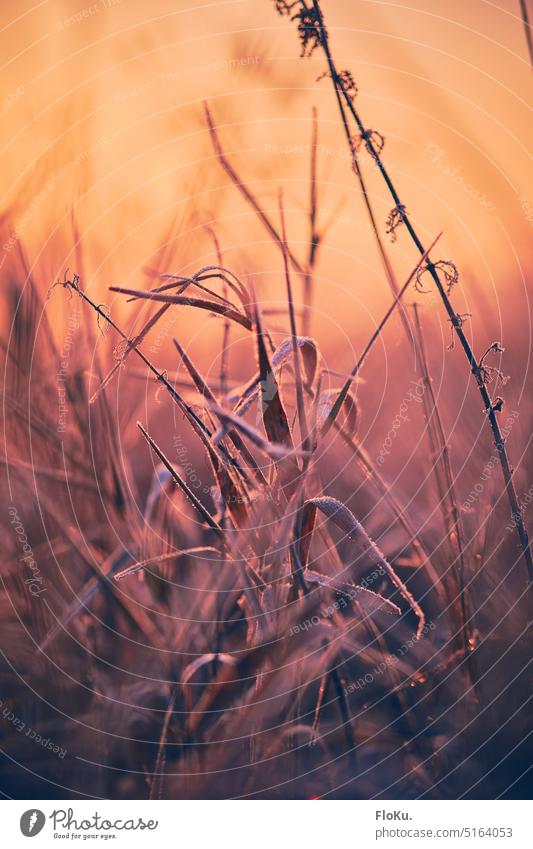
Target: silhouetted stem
[455, 320]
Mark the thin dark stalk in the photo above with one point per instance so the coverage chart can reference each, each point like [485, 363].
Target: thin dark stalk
[244, 190]
[227, 325]
[160, 376]
[456, 321]
[302, 417]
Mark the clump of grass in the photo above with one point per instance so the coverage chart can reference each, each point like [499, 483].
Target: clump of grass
[288, 621]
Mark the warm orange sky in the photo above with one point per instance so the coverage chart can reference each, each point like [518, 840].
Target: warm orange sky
[101, 109]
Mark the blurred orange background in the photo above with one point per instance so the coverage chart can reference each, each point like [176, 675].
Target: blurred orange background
[103, 124]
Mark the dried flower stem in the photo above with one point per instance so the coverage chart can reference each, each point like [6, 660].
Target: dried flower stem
[456, 323]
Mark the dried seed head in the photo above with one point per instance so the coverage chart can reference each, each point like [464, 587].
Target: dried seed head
[396, 217]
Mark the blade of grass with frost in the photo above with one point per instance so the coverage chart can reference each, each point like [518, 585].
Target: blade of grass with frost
[191, 282]
[309, 352]
[344, 391]
[366, 548]
[224, 351]
[199, 507]
[398, 511]
[369, 600]
[327, 398]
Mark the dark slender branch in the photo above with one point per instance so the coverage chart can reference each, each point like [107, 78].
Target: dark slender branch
[455, 320]
[527, 29]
